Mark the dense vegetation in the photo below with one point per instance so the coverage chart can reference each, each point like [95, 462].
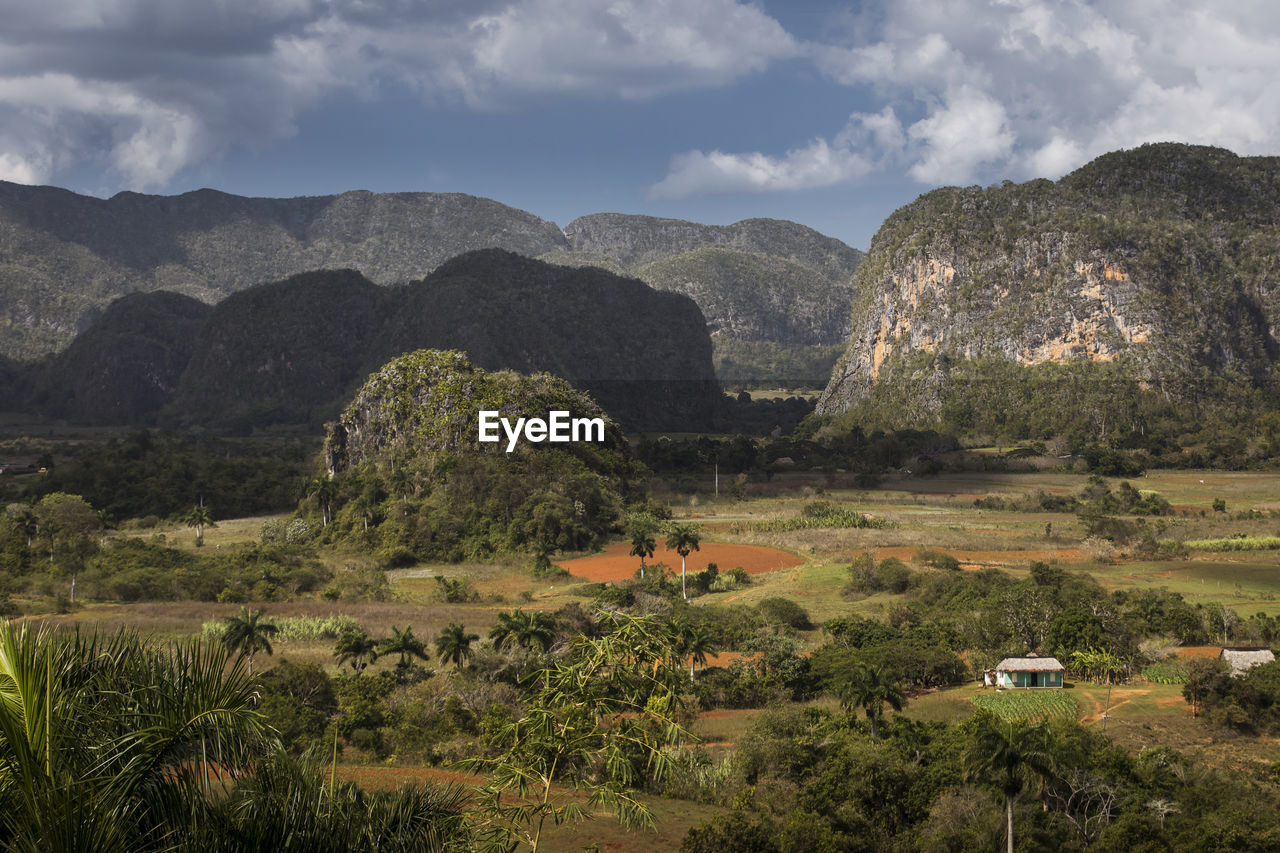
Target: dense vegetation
[413, 481]
[147, 476]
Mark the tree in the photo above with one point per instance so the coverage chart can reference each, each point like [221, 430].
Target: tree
[200, 518]
[596, 719]
[684, 539]
[107, 742]
[454, 644]
[641, 529]
[1201, 674]
[247, 635]
[1004, 755]
[533, 631]
[695, 643]
[66, 522]
[325, 492]
[24, 518]
[358, 647]
[406, 645]
[112, 744]
[871, 688]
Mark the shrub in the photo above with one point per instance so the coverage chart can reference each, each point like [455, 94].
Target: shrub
[785, 613]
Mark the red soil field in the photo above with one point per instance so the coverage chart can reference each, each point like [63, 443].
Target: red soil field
[614, 564]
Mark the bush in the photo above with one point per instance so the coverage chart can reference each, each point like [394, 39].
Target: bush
[937, 559]
[783, 612]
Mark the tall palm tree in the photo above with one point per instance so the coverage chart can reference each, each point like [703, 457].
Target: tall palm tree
[642, 541]
[200, 518]
[533, 631]
[247, 635]
[357, 647]
[684, 539]
[1005, 755]
[454, 644]
[325, 491]
[871, 688]
[406, 645]
[694, 642]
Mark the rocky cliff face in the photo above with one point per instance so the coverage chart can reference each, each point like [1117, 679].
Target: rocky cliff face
[755, 280]
[428, 402]
[1111, 264]
[64, 257]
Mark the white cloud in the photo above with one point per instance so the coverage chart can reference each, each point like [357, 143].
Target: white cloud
[148, 87]
[1027, 88]
[967, 131]
[816, 165]
[983, 89]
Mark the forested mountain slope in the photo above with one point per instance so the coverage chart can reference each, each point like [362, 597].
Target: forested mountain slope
[291, 352]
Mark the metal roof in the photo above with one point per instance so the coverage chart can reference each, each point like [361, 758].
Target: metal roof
[1030, 665]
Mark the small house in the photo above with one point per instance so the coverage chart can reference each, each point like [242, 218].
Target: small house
[1030, 671]
[1244, 659]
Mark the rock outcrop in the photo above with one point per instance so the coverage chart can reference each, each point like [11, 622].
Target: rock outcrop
[1164, 261]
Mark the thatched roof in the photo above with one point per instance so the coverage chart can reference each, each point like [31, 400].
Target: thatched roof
[1243, 660]
[1033, 664]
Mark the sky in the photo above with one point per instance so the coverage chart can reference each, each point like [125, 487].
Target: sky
[830, 114]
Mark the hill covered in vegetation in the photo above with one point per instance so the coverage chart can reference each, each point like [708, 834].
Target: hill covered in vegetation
[410, 475]
[1137, 290]
[292, 352]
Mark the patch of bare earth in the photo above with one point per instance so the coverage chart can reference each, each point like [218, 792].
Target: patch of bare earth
[615, 564]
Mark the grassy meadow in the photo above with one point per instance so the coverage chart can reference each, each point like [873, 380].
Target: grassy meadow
[934, 514]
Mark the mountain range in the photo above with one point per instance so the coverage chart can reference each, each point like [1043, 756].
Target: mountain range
[64, 257]
[294, 351]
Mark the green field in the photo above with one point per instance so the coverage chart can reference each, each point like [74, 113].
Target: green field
[1029, 706]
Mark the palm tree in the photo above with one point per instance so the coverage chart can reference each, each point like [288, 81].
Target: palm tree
[454, 644]
[406, 645]
[295, 804]
[533, 631]
[106, 743]
[1004, 755]
[200, 518]
[24, 517]
[871, 688]
[358, 647]
[246, 635]
[110, 744]
[642, 541]
[684, 539]
[325, 491]
[696, 643]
